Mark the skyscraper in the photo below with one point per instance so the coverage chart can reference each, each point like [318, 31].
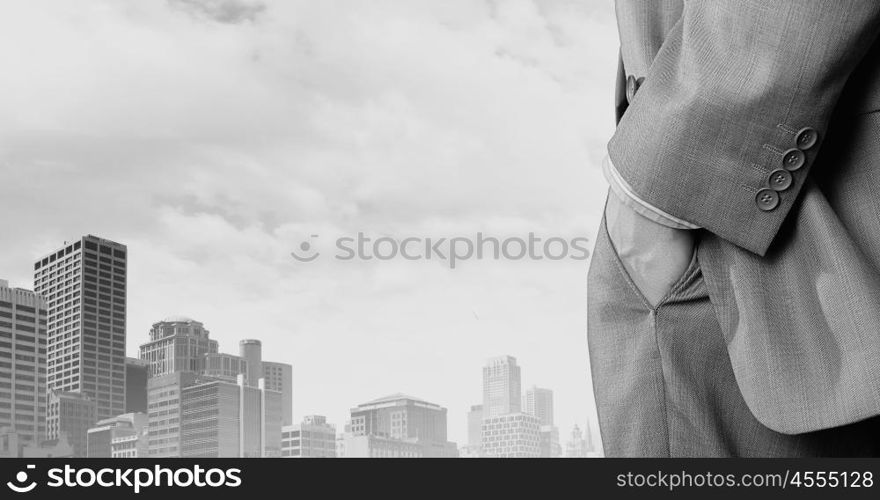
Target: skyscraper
[539, 402]
[279, 378]
[22, 363]
[506, 430]
[163, 412]
[501, 387]
[84, 284]
[252, 352]
[175, 355]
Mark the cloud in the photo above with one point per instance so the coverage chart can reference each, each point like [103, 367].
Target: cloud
[222, 11]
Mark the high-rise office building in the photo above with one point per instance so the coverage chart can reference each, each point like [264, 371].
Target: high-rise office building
[514, 435]
[401, 418]
[507, 430]
[279, 378]
[225, 366]
[177, 344]
[84, 284]
[252, 352]
[136, 375]
[23, 319]
[539, 402]
[223, 419]
[163, 412]
[501, 387]
[70, 414]
[312, 438]
[175, 357]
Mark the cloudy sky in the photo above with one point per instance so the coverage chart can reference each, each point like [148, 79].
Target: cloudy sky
[213, 137]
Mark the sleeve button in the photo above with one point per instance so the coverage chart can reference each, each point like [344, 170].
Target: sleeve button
[807, 138]
[793, 159]
[767, 200]
[780, 180]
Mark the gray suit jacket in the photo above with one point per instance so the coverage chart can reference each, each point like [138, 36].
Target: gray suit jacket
[759, 121]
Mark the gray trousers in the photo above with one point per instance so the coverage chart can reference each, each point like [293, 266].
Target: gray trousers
[664, 384]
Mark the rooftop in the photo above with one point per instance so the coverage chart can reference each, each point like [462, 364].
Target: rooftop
[178, 319]
[397, 399]
[394, 397]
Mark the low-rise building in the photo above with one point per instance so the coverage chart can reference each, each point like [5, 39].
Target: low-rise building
[102, 436]
[15, 445]
[313, 438]
[71, 413]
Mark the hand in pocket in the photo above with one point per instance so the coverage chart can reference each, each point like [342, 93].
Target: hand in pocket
[655, 256]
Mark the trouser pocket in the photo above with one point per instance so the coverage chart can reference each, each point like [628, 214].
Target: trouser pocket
[613, 268]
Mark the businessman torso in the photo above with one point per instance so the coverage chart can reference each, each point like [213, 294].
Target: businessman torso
[794, 277]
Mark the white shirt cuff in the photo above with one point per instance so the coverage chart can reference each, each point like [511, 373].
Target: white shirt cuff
[632, 200]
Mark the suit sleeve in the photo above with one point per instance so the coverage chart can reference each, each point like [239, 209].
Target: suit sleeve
[732, 113]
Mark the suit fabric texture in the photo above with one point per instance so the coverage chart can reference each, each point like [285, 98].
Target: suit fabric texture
[758, 121]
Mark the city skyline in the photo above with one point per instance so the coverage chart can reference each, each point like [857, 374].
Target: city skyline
[209, 150]
[511, 399]
[214, 145]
